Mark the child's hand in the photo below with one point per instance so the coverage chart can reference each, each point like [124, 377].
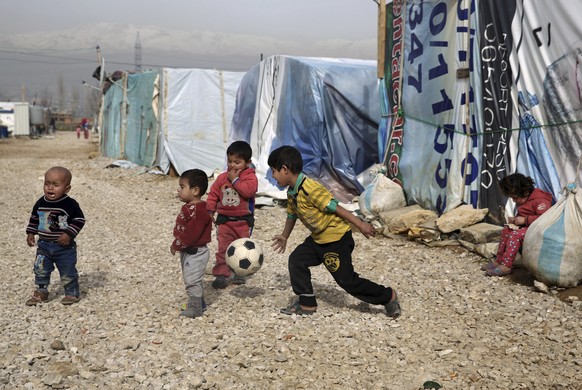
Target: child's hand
[367, 229]
[64, 239]
[172, 250]
[279, 243]
[520, 221]
[30, 240]
[510, 220]
[233, 174]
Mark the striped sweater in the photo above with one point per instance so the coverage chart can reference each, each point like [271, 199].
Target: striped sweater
[49, 219]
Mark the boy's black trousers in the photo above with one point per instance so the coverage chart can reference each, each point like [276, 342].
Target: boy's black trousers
[337, 258]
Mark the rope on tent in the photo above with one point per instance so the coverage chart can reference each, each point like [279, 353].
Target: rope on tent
[557, 124]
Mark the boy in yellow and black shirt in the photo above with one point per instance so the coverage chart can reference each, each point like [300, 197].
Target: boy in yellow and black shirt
[330, 242]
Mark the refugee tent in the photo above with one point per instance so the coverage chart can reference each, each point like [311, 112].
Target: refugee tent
[328, 108]
[112, 133]
[475, 90]
[198, 105]
[170, 117]
[129, 127]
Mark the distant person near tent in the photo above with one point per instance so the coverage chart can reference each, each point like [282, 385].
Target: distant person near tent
[85, 125]
[52, 125]
[3, 130]
[531, 203]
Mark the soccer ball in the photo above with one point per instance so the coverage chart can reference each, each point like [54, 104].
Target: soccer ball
[244, 256]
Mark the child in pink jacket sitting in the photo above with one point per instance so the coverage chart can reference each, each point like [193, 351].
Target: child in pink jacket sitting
[531, 202]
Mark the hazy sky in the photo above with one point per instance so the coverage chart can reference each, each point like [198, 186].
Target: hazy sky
[301, 20]
[336, 28]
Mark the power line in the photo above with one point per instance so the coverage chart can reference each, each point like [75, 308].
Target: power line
[26, 53]
[230, 65]
[45, 62]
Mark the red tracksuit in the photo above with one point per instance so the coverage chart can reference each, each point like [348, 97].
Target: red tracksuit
[235, 205]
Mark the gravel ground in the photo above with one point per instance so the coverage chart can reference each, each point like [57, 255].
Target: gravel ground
[459, 328]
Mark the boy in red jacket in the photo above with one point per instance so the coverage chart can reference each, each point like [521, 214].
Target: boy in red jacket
[531, 202]
[192, 233]
[232, 197]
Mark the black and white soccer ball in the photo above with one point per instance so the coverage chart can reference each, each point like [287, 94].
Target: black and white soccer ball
[244, 256]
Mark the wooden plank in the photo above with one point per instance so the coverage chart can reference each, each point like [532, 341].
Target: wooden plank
[381, 37]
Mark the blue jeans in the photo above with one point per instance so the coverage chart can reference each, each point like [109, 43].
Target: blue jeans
[51, 254]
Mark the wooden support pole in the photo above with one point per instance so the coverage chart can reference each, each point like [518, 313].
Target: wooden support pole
[381, 37]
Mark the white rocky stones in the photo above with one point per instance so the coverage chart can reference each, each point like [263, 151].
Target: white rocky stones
[460, 217]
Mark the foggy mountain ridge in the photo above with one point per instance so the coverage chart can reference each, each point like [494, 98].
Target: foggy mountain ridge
[112, 37]
[35, 61]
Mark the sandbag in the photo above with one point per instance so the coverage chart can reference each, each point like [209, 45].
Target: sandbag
[380, 195]
[552, 248]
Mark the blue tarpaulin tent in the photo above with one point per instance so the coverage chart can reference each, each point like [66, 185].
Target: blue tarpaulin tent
[328, 108]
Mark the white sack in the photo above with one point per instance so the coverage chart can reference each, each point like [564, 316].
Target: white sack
[380, 195]
[552, 248]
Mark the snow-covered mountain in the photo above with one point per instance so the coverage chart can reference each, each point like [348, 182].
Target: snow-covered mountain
[36, 61]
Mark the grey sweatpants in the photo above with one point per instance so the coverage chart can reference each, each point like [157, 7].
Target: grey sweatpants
[193, 268]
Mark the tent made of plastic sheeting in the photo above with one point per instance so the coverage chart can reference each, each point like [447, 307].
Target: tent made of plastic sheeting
[129, 129]
[327, 108]
[477, 89]
[198, 106]
[170, 117]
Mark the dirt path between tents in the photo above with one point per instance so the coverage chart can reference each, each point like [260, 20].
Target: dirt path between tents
[49, 147]
[459, 328]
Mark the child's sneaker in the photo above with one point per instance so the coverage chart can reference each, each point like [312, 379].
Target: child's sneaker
[69, 300]
[38, 296]
[393, 309]
[221, 282]
[238, 280]
[193, 309]
[184, 306]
